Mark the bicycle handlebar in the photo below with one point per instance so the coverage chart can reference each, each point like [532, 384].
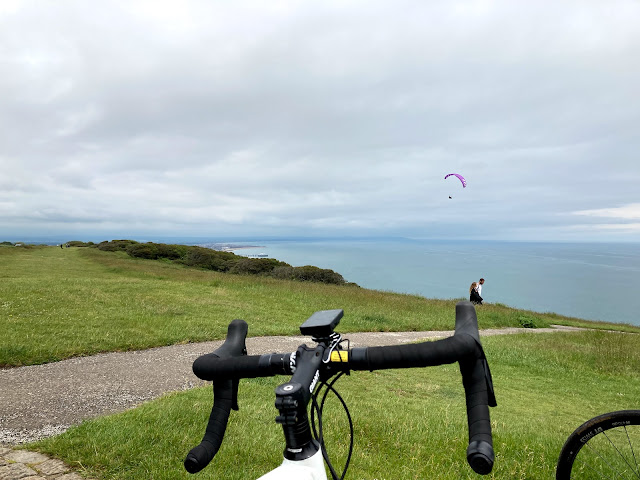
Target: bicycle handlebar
[225, 398]
[229, 363]
[465, 348]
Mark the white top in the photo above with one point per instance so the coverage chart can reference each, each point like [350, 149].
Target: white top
[479, 288]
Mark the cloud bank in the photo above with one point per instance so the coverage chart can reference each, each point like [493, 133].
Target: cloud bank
[340, 118]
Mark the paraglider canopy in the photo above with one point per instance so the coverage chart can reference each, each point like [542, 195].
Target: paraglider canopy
[460, 177]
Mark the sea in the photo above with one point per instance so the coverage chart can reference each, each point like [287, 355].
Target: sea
[594, 281]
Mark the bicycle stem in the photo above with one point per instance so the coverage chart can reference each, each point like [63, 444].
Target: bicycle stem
[292, 399]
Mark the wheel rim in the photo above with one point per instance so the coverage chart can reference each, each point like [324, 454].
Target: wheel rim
[611, 453]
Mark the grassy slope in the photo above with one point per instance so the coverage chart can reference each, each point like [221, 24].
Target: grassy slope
[409, 424]
[58, 303]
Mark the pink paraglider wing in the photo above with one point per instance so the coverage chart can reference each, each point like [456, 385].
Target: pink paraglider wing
[460, 177]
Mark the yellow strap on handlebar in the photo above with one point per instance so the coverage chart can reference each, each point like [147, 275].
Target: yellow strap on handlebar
[341, 356]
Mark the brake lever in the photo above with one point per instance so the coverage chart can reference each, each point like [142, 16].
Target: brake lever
[234, 346]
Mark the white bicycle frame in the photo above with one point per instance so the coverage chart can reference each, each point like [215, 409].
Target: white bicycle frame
[311, 468]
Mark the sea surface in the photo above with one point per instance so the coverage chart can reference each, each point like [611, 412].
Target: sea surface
[590, 281]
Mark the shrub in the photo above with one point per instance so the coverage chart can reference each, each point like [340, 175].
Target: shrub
[527, 321]
[78, 243]
[256, 266]
[172, 252]
[209, 259]
[283, 272]
[115, 245]
[143, 250]
[309, 273]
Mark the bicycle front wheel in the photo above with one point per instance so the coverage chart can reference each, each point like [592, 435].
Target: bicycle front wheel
[607, 446]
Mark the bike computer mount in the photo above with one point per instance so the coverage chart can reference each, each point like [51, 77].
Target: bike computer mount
[321, 323]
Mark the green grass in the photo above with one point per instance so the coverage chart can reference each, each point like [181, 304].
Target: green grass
[59, 303]
[409, 424]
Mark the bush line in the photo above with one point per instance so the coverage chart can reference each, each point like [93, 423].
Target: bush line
[219, 261]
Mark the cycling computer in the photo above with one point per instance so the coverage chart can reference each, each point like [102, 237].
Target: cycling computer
[322, 323]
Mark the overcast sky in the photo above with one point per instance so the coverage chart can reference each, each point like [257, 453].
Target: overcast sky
[222, 119]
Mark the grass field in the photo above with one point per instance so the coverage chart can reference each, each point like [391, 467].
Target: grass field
[409, 424]
[59, 303]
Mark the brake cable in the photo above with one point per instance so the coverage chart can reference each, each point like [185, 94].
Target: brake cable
[318, 434]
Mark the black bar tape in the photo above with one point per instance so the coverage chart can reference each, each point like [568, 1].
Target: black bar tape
[480, 451]
[200, 456]
[466, 320]
[225, 393]
[210, 367]
[478, 389]
[425, 354]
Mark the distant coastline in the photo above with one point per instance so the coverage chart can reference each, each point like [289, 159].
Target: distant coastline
[227, 247]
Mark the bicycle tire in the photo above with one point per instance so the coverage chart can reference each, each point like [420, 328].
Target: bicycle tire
[607, 446]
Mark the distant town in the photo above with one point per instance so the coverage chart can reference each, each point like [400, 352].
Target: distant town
[227, 247]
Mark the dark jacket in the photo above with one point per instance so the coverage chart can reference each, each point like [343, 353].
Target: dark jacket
[475, 297]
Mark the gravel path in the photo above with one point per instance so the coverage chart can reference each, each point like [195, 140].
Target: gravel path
[44, 400]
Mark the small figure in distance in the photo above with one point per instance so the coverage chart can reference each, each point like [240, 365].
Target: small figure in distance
[474, 296]
[480, 283]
